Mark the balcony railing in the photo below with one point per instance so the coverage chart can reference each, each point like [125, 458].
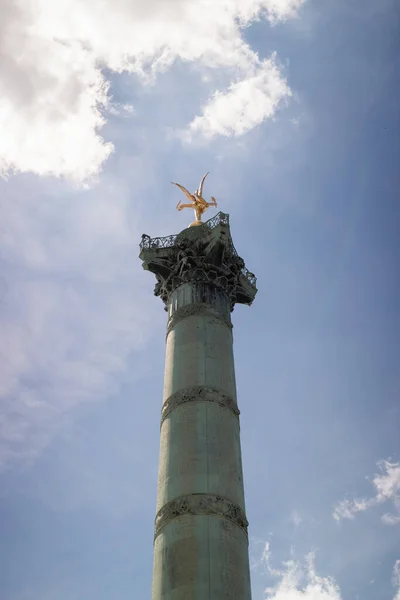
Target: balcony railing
[148, 243]
[168, 241]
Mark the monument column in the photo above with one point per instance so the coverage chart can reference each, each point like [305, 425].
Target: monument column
[200, 538]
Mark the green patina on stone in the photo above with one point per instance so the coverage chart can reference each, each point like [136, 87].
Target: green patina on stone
[201, 545]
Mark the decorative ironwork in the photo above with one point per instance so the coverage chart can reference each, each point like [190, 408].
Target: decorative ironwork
[199, 255]
[196, 394]
[149, 243]
[200, 504]
[251, 278]
[219, 219]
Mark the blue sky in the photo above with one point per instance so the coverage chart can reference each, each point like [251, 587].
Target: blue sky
[303, 149]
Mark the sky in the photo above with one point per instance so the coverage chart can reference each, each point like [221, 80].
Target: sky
[292, 105]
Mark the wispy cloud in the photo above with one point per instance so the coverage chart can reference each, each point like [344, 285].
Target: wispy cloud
[387, 486]
[390, 519]
[298, 581]
[295, 518]
[396, 579]
[71, 315]
[55, 94]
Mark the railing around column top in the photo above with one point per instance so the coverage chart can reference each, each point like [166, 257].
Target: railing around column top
[168, 241]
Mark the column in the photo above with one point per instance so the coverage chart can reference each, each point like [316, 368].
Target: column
[200, 540]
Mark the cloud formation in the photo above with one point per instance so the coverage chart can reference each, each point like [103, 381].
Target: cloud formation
[69, 316]
[297, 581]
[387, 486]
[244, 105]
[396, 579]
[55, 91]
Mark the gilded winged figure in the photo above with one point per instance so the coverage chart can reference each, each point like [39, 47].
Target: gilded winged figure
[197, 201]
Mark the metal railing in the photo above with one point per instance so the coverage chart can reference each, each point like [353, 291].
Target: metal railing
[148, 243]
[251, 278]
[168, 241]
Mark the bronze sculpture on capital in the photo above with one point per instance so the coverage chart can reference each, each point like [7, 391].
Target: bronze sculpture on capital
[198, 203]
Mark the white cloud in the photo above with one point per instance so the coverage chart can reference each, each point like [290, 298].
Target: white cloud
[54, 91]
[347, 509]
[390, 519]
[388, 482]
[70, 314]
[296, 519]
[299, 582]
[396, 579]
[244, 105]
[387, 486]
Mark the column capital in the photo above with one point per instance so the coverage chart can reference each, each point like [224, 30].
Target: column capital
[203, 254]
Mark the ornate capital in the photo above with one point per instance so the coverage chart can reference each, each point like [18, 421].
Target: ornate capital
[203, 254]
[200, 504]
[199, 393]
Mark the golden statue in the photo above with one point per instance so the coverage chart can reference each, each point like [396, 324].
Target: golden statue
[197, 201]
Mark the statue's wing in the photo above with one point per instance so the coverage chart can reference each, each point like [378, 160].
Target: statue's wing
[184, 190]
[200, 190]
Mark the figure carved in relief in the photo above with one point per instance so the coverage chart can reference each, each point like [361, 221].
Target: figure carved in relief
[185, 258]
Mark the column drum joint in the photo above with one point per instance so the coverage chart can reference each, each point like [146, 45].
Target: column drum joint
[200, 504]
[198, 394]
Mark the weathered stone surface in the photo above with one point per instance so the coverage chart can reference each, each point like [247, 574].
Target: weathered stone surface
[200, 453]
[199, 352]
[197, 308]
[201, 558]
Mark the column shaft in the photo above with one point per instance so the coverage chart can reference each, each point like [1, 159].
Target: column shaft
[201, 545]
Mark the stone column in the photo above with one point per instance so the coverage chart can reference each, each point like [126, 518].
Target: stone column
[200, 541]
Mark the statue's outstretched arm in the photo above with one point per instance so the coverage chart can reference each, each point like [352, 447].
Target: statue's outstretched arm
[179, 206]
[201, 185]
[184, 190]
